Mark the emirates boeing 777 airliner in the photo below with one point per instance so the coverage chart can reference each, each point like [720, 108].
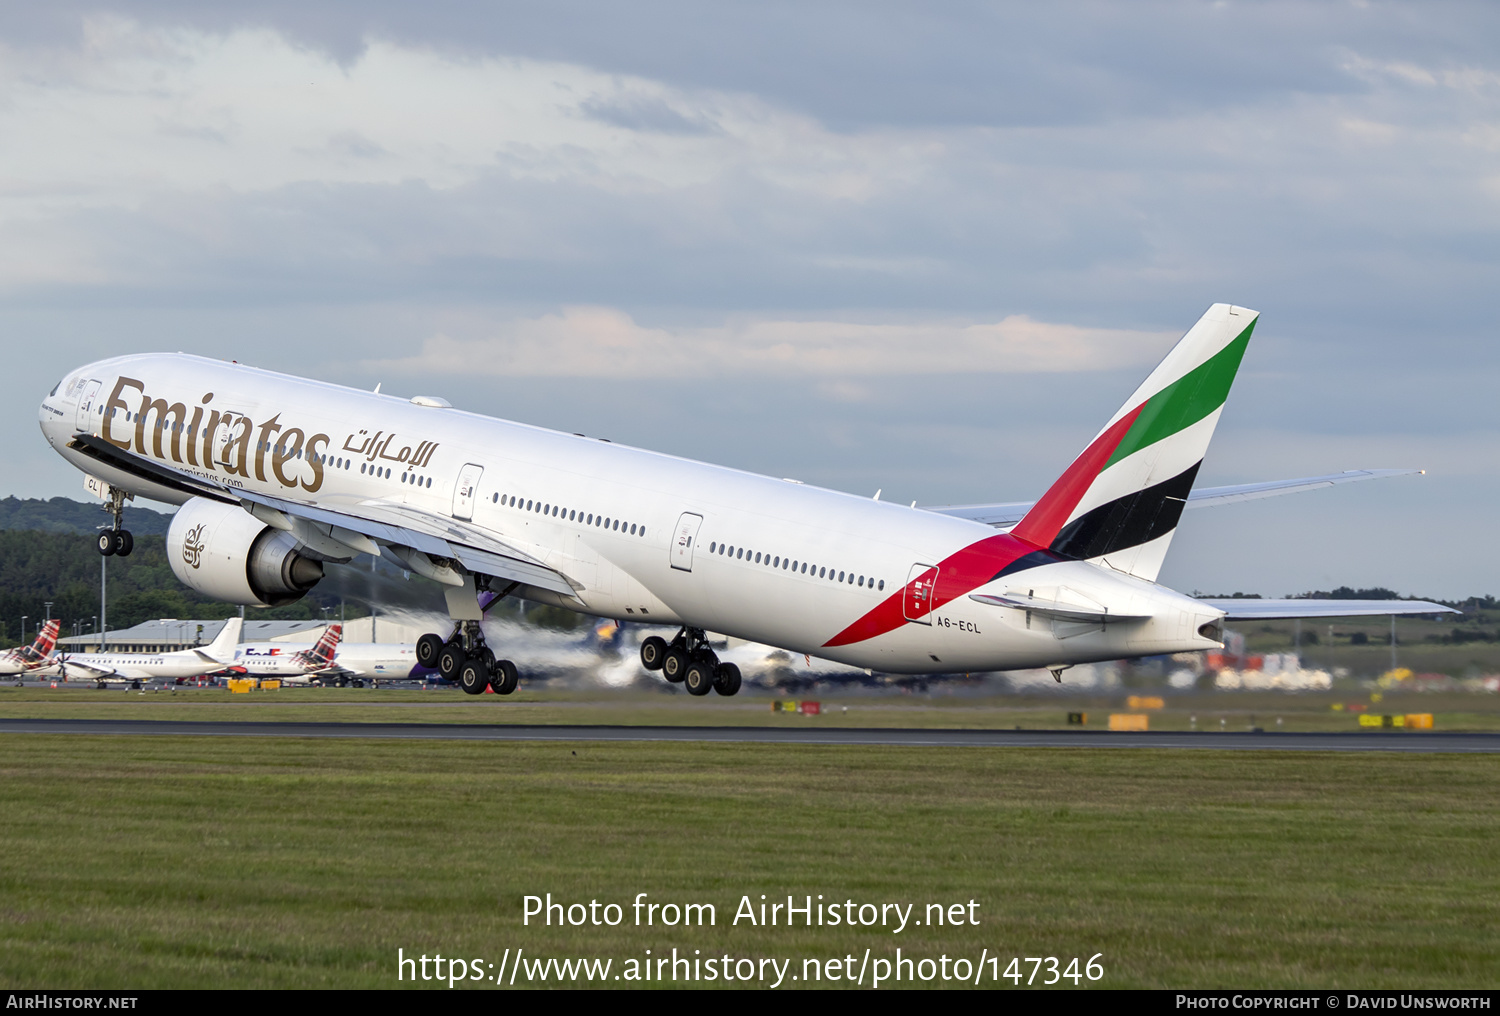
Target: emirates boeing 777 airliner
[277, 475]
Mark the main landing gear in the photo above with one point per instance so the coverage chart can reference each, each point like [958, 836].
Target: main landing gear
[115, 540]
[688, 660]
[465, 660]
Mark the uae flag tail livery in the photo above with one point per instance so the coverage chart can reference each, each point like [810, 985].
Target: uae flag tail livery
[1119, 502]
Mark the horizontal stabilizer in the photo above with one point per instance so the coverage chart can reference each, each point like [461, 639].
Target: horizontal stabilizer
[1212, 497]
[1005, 514]
[1051, 608]
[1270, 610]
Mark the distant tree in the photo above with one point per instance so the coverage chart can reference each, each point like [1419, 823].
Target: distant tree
[64, 515]
[1346, 593]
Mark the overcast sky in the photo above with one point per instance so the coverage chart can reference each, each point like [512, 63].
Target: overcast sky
[924, 248]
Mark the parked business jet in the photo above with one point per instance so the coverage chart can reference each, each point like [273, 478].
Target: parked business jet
[278, 474]
[108, 668]
[278, 659]
[35, 658]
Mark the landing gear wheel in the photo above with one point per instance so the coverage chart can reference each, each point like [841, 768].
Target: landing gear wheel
[449, 661]
[106, 542]
[698, 679]
[473, 676]
[124, 542]
[428, 648]
[504, 677]
[673, 663]
[359, 682]
[727, 679]
[653, 650]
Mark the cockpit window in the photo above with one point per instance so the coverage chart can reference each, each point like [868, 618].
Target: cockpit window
[54, 389]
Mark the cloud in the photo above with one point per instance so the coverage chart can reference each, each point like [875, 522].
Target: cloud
[606, 342]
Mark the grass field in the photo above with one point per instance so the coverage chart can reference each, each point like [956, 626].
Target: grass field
[164, 862]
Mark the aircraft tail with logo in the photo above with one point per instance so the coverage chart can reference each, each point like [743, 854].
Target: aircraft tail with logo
[1119, 502]
[46, 641]
[321, 655]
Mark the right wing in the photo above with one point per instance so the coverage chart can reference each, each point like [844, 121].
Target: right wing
[1246, 609]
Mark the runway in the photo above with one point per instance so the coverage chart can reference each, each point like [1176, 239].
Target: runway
[1425, 741]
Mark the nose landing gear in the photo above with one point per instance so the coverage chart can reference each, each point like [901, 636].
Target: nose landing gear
[115, 540]
[687, 660]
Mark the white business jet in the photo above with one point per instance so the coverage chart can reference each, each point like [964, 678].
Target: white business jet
[277, 475]
[133, 668]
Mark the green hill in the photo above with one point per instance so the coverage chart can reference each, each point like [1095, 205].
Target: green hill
[64, 515]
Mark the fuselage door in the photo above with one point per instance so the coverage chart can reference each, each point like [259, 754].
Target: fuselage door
[225, 433]
[86, 401]
[682, 541]
[463, 493]
[916, 599]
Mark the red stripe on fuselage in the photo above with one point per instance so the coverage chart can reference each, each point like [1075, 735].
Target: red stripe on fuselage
[958, 574]
[1047, 517]
[978, 563]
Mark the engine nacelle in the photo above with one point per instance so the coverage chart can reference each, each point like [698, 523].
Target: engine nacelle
[224, 552]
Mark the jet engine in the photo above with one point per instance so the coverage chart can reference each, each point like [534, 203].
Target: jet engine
[224, 552]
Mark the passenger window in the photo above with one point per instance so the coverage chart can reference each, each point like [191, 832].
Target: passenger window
[882, 585]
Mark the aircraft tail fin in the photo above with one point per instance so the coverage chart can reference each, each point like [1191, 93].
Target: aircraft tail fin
[322, 653]
[46, 639]
[222, 647]
[1121, 498]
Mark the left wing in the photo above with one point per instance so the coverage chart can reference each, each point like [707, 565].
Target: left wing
[1008, 514]
[420, 540]
[411, 529]
[1270, 610]
[97, 673]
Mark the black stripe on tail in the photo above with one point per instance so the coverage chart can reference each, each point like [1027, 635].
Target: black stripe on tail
[1127, 521]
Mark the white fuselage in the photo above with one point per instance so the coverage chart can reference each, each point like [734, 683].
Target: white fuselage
[17, 662]
[774, 561]
[393, 660]
[144, 666]
[271, 659]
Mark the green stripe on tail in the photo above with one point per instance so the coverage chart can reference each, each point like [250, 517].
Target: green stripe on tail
[1187, 400]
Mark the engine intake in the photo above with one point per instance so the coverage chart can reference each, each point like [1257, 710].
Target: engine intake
[224, 552]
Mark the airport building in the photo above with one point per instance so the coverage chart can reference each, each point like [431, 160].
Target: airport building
[170, 634]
